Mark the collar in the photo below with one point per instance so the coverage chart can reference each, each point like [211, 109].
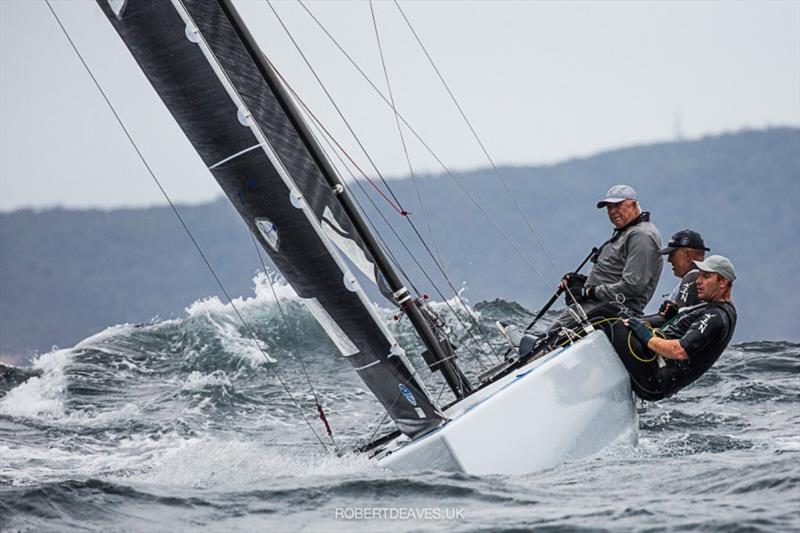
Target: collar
[644, 217]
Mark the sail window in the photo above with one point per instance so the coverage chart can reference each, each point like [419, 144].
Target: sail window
[346, 245]
[117, 6]
[268, 230]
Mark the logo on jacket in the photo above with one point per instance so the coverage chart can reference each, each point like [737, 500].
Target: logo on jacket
[704, 322]
[407, 393]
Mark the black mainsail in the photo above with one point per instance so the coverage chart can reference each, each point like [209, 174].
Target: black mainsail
[210, 75]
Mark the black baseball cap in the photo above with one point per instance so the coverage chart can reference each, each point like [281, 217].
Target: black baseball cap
[685, 238]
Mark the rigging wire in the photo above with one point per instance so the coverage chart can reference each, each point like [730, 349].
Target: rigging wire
[408, 161]
[402, 137]
[479, 141]
[249, 330]
[411, 223]
[397, 265]
[395, 262]
[430, 151]
[397, 204]
[299, 359]
[318, 125]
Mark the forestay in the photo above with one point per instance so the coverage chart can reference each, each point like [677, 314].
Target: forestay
[225, 96]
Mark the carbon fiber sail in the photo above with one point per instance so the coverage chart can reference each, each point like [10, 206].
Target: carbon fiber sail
[204, 65]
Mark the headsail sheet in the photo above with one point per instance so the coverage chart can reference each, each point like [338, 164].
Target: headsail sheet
[204, 66]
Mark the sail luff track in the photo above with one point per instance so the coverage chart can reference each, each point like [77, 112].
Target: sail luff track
[192, 54]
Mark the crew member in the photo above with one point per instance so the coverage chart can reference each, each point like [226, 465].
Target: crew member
[684, 247]
[625, 273]
[663, 361]
[628, 265]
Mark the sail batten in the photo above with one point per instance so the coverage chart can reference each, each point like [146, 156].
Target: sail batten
[193, 55]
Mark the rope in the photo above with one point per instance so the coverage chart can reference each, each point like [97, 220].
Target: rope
[479, 141]
[428, 149]
[185, 227]
[656, 332]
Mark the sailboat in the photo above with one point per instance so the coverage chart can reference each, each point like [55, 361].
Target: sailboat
[236, 111]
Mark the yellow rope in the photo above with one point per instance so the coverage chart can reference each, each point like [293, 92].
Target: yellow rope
[656, 332]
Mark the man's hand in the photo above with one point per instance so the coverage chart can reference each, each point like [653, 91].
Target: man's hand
[668, 348]
[573, 284]
[640, 329]
[668, 309]
[581, 294]
[572, 280]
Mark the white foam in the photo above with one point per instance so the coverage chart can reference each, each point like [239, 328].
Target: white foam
[128, 411]
[212, 462]
[263, 295]
[249, 348]
[197, 381]
[41, 396]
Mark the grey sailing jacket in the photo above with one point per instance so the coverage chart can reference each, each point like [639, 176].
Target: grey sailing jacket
[628, 268]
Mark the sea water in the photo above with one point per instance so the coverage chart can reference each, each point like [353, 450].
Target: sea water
[185, 424]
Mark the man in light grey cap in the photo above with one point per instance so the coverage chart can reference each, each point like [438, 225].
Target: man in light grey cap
[628, 265]
[625, 272]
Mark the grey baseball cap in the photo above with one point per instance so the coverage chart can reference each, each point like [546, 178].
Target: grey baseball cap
[616, 194]
[719, 264]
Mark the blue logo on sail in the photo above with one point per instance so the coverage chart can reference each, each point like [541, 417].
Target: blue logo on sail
[408, 395]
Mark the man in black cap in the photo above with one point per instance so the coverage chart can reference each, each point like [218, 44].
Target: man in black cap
[685, 247]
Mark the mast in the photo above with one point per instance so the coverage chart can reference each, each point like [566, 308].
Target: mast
[208, 79]
[437, 354]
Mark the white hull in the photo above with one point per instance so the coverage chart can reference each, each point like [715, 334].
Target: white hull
[568, 404]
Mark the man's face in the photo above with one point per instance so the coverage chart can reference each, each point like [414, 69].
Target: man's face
[711, 286]
[681, 261]
[622, 213]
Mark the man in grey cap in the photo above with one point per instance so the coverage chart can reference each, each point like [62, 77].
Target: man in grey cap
[628, 265]
[685, 247]
[625, 273]
[663, 361]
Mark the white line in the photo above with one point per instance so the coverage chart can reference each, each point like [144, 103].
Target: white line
[367, 366]
[237, 154]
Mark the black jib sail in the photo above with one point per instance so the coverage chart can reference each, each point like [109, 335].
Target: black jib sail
[206, 69]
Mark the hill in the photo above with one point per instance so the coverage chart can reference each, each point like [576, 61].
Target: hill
[67, 274]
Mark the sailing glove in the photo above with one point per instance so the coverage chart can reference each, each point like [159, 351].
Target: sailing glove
[640, 329]
[582, 294]
[575, 283]
[668, 309]
[574, 279]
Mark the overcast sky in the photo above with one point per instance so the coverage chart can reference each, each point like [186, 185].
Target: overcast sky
[542, 82]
